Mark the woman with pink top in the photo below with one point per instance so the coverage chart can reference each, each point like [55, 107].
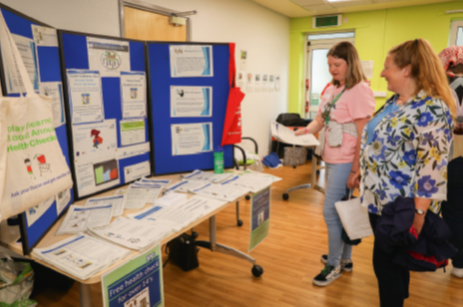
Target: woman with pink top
[345, 108]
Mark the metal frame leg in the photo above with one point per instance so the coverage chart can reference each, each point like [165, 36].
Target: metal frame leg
[237, 211]
[85, 295]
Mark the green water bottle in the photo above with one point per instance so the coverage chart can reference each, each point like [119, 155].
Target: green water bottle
[218, 160]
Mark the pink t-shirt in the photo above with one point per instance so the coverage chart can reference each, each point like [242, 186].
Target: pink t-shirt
[355, 103]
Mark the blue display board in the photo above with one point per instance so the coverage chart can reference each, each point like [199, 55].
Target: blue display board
[161, 81]
[36, 222]
[115, 154]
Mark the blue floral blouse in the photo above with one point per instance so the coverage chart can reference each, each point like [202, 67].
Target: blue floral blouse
[408, 155]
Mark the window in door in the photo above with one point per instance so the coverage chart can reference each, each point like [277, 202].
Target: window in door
[317, 73]
[456, 33]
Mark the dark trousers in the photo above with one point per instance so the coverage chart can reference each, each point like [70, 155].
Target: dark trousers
[452, 209]
[393, 279]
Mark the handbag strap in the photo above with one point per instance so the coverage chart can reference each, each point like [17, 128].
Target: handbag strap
[14, 57]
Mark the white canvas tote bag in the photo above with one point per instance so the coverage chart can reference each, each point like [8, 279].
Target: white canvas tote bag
[354, 218]
[32, 165]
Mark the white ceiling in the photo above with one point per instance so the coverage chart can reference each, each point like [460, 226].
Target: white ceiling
[305, 8]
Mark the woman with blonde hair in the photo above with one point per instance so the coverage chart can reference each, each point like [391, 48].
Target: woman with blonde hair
[345, 108]
[405, 151]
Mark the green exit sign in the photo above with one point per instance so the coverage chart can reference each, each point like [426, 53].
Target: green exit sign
[327, 21]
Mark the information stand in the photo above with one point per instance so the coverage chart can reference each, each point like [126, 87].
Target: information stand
[170, 117]
[38, 45]
[105, 95]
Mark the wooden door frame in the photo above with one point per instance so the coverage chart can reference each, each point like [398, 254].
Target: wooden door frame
[140, 5]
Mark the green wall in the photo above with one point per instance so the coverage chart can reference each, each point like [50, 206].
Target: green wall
[376, 32]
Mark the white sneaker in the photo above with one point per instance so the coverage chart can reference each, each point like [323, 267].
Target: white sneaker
[327, 275]
[346, 264]
[457, 272]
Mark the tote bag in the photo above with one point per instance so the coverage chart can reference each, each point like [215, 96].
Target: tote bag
[354, 218]
[32, 165]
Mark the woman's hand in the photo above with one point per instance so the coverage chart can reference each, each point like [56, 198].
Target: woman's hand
[418, 222]
[301, 131]
[354, 180]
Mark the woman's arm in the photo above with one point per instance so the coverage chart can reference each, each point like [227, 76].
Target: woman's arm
[315, 126]
[422, 204]
[354, 177]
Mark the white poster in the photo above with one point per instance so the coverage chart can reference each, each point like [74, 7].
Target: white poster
[367, 67]
[137, 171]
[271, 83]
[240, 80]
[26, 48]
[258, 83]
[132, 151]
[190, 101]
[94, 141]
[44, 36]
[34, 213]
[54, 90]
[190, 139]
[92, 177]
[85, 95]
[265, 83]
[133, 87]
[191, 61]
[62, 199]
[132, 131]
[277, 83]
[243, 57]
[249, 85]
[108, 56]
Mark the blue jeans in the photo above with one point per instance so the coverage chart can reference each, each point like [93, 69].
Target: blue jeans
[336, 189]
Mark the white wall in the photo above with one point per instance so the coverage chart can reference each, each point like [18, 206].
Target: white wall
[260, 31]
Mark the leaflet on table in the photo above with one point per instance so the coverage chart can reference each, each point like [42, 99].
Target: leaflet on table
[132, 151]
[191, 61]
[149, 215]
[137, 171]
[186, 186]
[260, 217]
[190, 101]
[155, 190]
[251, 182]
[120, 192]
[170, 199]
[94, 141]
[190, 139]
[133, 88]
[79, 218]
[137, 197]
[108, 56]
[286, 135]
[132, 131]
[54, 90]
[162, 182]
[133, 234]
[44, 36]
[117, 201]
[85, 96]
[62, 199]
[208, 176]
[34, 213]
[96, 176]
[27, 52]
[222, 191]
[81, 255]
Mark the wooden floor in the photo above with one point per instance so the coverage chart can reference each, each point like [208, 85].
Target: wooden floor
[290, 259]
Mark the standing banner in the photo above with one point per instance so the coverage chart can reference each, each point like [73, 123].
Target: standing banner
[232, 126]
[138, 282]
[260, 217]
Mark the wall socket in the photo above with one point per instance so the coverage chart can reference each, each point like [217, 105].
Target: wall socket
[380, 94]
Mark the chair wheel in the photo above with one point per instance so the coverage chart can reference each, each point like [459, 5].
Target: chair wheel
[285, 196]
[194, 234]
[257, 270]
[247, 197]
[239, 223]
[294, 166]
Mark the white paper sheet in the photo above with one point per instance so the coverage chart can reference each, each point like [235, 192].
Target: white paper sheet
[93, 177]
[44, 36]
[137, 197]
[54, 90]
[108, 56]
[133, 87]
[186, 186]
[132, 131]
[222, 191]
[208, 176]
[190, 139]
[137, 171]
[62, 199]
[286, 135]
[154, 190]
[171, 199]
[95, 141]
[277, 83]
[79, 218]
[117, 202]
[191, 61]
[134, 150]
[34, 213]
[191, 101]
[85, 95]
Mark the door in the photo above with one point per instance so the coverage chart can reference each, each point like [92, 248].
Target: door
[317, 72]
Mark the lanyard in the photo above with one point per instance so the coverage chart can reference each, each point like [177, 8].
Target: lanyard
[326, 114]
